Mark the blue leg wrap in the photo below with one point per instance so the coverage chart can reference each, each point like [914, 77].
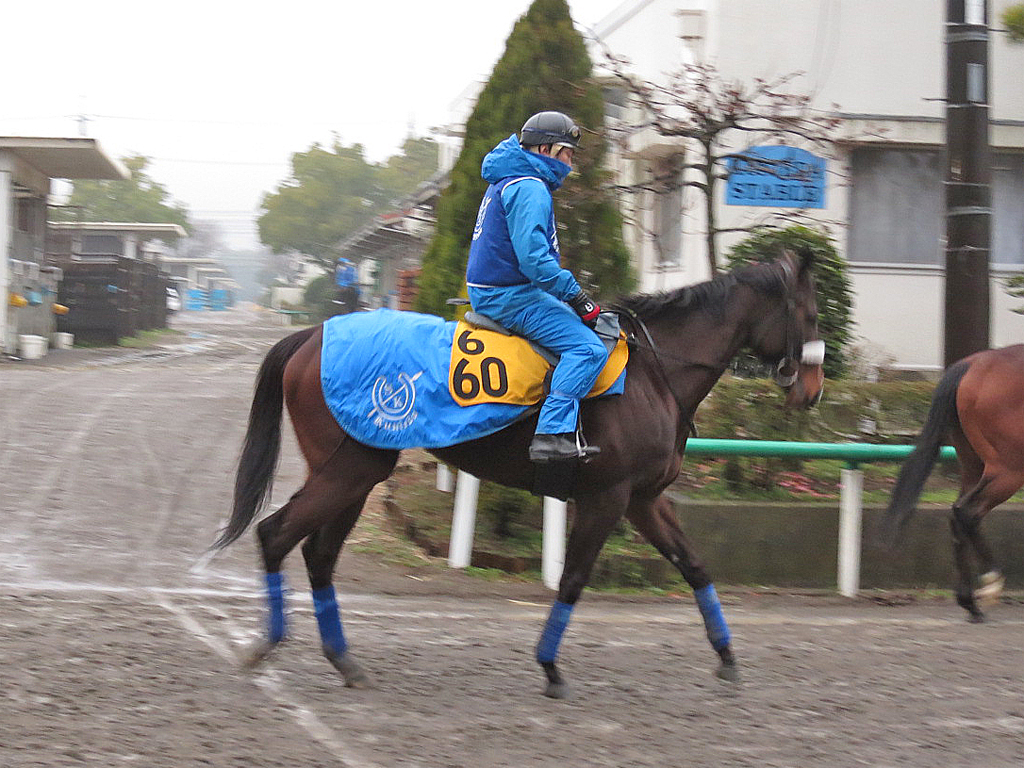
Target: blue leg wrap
[275, 598]
[558, 619]
[329, 620]
[714, 621]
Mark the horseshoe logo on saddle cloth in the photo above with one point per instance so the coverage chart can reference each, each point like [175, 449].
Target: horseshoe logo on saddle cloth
[393, 402]
[492, 367]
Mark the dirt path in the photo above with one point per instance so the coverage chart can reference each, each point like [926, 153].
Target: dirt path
[116, 650]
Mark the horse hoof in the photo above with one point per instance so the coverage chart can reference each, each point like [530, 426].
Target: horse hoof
[728, 672]
[991, 588]
[976, 618]
[353, 674]
[557, 691]
[257, 653]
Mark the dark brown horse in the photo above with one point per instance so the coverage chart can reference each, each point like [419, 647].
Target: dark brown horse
[685, 339]
[978, 405]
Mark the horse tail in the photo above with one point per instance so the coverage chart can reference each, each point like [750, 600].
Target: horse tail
[258, 462]
[942, 416]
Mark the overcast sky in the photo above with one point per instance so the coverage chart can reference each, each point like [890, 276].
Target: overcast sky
[219, 93]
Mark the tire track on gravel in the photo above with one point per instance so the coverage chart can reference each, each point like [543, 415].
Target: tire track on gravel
[17, 412]
[173, 491]
[62, 467]
[270, 685]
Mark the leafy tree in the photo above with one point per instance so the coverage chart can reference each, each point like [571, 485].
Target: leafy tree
[545, 66]
[699, 104]
[835, 316]
[1013, 21]
[334, 191]
[138, 198]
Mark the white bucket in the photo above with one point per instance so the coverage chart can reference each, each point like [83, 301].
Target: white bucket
[60, 340]
[32, 347]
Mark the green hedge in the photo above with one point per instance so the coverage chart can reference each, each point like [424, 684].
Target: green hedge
[849, 411]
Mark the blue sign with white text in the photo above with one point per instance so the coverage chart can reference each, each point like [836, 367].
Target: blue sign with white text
[777, 176]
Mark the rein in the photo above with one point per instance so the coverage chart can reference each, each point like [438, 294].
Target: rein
[657, 354]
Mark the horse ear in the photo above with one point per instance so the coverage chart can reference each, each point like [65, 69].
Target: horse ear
[806, 255]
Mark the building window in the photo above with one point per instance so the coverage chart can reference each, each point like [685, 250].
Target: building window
[897, 207]
[668, 212]
[102, 245]
[1008, 209]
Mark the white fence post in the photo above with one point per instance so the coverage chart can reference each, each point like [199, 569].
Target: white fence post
[460, 548]
[553, 545]
[850, 514]
[444, 478]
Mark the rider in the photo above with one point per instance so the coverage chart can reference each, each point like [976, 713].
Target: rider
[514, 277]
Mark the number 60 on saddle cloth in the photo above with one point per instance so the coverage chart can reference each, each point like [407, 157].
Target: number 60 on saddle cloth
[490, 367]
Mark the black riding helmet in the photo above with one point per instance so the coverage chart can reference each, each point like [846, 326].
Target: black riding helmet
[550, 128]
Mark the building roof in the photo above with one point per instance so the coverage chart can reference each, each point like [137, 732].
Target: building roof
[388, 230]
[70, 158]
[145, 229]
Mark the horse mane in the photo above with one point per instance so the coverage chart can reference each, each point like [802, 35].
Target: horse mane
[710, 295]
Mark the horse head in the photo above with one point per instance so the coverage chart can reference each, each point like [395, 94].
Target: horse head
[789, 338]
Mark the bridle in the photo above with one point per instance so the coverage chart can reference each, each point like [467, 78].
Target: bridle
[806, 352]
[796, 353]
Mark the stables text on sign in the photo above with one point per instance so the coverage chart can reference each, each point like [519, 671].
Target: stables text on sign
[777, 176]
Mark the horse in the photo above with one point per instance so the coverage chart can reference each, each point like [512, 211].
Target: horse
[683, 341]
[978, 405]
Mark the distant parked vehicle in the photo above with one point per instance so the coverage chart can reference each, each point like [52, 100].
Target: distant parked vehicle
[173, 299]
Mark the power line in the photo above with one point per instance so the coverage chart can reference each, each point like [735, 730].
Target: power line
[292, 123]
[220, 162]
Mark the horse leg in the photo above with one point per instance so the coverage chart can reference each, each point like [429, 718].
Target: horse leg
[657, 523]
[971, 470]
[993, 489]
[595, 516]
[320, 550]
[342, 482]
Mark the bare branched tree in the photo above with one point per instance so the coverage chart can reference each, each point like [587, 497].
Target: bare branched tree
[714, 114]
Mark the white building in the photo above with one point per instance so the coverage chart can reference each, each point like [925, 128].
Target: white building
[880, 65]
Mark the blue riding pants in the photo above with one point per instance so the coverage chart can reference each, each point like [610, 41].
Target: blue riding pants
[540, 317]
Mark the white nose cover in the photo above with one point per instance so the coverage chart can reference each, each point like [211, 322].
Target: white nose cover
[813, 353]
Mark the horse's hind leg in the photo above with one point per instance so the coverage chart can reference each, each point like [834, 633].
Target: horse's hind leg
[335, 490]
[971, 469]
[657, 523]
[993, 489]
[320, 551]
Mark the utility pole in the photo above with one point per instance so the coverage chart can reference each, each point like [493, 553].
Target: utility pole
[968, 173]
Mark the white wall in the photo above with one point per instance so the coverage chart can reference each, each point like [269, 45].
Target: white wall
[880, 64]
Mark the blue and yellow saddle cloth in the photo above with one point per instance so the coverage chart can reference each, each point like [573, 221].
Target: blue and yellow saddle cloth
[405, 380]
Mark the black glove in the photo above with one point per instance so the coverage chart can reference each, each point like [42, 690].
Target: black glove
[586, 308]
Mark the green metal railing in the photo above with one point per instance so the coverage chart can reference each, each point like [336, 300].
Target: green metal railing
[852, 453]
[851, 484]
[851, 489]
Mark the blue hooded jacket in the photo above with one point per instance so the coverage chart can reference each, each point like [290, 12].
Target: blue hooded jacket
[515, 240]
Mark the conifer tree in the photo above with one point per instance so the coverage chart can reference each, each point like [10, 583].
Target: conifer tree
[545, 66]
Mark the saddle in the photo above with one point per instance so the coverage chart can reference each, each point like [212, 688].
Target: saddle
[490, 364]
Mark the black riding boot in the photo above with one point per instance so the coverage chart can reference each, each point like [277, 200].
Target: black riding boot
[567, 446]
